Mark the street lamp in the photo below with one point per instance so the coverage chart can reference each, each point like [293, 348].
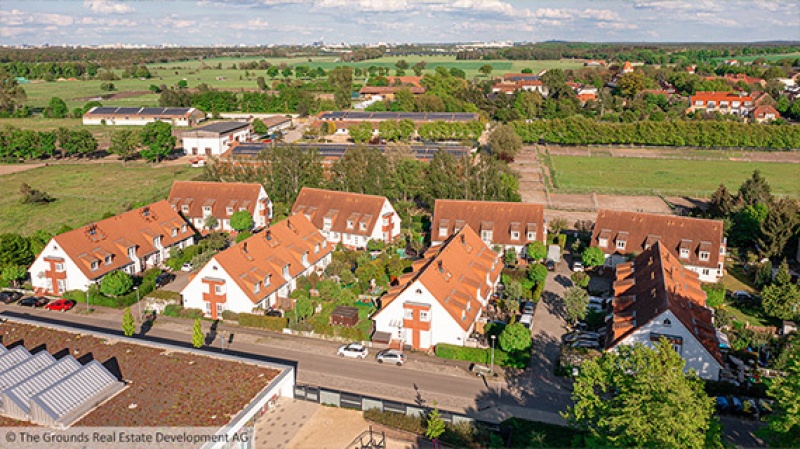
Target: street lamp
[491, 364]
[138, 304]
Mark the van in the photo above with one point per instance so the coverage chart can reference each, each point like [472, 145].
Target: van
[526, 320]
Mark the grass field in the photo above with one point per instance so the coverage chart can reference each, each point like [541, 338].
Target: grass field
[579, 174]
[75, 93]
[83, 192]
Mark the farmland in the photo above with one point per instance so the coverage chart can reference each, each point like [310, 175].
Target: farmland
[84, 192]
[611, 175]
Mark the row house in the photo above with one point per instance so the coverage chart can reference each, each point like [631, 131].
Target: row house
[215, 139]
[655, 297]
[499, 224]
[699, 243]
[196, 201]
[259, 272]
[132, 242]
[351, 219]
[140, 116]
[736, 103]
[387, 92]
[441, 299]
[512, 86]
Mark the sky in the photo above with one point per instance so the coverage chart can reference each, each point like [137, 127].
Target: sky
[264, 22]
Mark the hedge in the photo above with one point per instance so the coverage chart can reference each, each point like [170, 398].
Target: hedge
[463, 434]
[178, 311]
[483, 356]
[272, 323]
[414, 424]
[147, 285]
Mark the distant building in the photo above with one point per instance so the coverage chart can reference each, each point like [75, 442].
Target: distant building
[723, 102]
[215, 138]
[132, 242]
[655, 297]
[764, 113]
[125, 116]
[388, 92]
[627, 67]
[196, 201]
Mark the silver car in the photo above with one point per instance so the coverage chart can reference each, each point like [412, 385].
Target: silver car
[589, 344]
[391, 356]
[353, 350]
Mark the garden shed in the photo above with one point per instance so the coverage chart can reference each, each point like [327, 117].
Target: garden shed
[344, 316]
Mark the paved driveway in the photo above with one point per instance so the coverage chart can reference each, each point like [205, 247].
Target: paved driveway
[181, 279]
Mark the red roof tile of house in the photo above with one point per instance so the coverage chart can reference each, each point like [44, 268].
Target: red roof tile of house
[640, 231]
[764, 111]
[218, 195]
[742, 77]
[455, 273]
[383, 90]
[502, 218]
[109, 240]
[719, 96]
[342, 208]
[656, 282]
[262, 257]
[405, 80]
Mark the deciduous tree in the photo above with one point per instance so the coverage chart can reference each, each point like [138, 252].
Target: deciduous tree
[124, 143]
[537, 250]
[241, 220]
[783, 429]
[504, 142]
[593, 257]
[116, 283]
[158, 138]
[576, 300]
[515, 338]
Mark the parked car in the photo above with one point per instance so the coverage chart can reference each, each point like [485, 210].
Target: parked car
[33, 301]
[598, 300]
[735, 404]
[353, 350]
[749, 407]
[577, 266]
[765, 406]
[722, 404]
[550, 264]
[526, 320]
[273, 312]
[186, 267]
[527, 308]
[61, 304]
[391, 356]
[588, 344]
[8, 297]
[164, 279]
[575, 336]
[594, 307]
[581, 326]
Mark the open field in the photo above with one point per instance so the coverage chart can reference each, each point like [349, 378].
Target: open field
[76, 92]
[775, 57]
[83, 192]
[580, 174]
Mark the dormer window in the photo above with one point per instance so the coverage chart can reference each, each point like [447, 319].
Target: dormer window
[206, 210]
[486, 236]
[327, 222]
[704, 255]
[108, 260]
[183, 229]
[684, 253]
[531, 235]
[620, 244]
[95, 265]
[257, 287]
[185, 209]
[442, 232]
[316, 248]
[229, 210]
[157, 241]
[362, 226]
[174, 232]
[286, 272]
[514, 235]
[349, 224]
[603, 243]
[132, 252]
[305, 258]
[267, 280]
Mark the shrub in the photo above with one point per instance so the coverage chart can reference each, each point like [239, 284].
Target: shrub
[715, 294]
[272, 323]
[414, 424]
[478, 355]
[178, 311]
[230, 316]
[116, 283]
[580, 279]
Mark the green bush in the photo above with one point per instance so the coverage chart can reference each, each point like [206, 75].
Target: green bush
[165, 294]
[526, 434]
[178, 311]
[230, 316]
[580, 279]
[483, 356]
[715, 294]
[272, 323]
[414, 424]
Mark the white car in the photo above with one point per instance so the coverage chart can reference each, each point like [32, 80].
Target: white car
[577, 266]
[353, 350]
[186, 267]
[526, 320]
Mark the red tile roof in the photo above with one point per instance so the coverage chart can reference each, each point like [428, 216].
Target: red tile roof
[455, 274]
[761, 112]
[378, 90]
[405, 80]
[113, 236]
[656, 282]
[502, 218]
[340, 207]
[640, 230]
[219, 195]
[718, 97]
[261, 258]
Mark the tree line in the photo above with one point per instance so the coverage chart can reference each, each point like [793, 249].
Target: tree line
[582, 131]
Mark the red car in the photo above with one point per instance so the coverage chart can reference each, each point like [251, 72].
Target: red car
[61, 304]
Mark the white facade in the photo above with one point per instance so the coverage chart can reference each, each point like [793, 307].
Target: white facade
[704, 273]
[385, 229]
[696, 355]
[214, 146]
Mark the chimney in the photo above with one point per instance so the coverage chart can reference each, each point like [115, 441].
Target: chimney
[269, 235]
[441, 266]
[288, 224]
[463, 239]
[244, 247]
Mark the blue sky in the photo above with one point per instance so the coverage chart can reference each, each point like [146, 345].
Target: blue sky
[254, 22]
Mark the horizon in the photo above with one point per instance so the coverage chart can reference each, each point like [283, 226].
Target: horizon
[184, 23]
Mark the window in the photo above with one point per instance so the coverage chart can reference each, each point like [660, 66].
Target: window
[286, 271]
[267, 280]
[514, 235]
[705, 272]
[207, 308]
[667, 322]
[185, 209]
[531, 235]
[469, 306]
[684, 253]
[424, 315]
[219, 289]
[349, 224]
[157, 241]
[183, 229]
[95, 265]
[207, 210]
[620, 244]
[131, 252]
[220, 309]
[59, 267]
[257, 287]
[62, 285]
[316, 248]
[603, 243]
[108, 260]
[229, 210]
[704, 255]
[174, 232]
[327, 222]
[305, 258]
[486, 235]
[408, 314]
[362, 226]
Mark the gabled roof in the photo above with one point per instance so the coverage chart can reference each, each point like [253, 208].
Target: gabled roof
[378, 90]
[652, 284]
[674, 232]
[342, 208]
[455, 273]
[113, 236]
[764, 110]
[405, 80]
[719, 96]
[218, 128]
[262, 257]
[501, 217]
[218, 195]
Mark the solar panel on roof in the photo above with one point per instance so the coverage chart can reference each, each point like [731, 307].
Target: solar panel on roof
[131, 111]
[175, 111]
[151, 111]
[104, 110]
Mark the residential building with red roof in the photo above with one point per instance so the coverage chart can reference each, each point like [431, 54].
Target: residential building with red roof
[764, 113]
[530, 85]
[736, 103]
[627, 67]
[441, 299]
[499, 224]
[415, 81]
[746, 79]
[655, 297]
[700, 243]
[352, 219]
[259, 272]
[132, 242]
[196, 201]
[387, 92]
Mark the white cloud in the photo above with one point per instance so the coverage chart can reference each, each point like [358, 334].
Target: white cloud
[250, 24]
[172, 21]
[16, 17]
[107, 7]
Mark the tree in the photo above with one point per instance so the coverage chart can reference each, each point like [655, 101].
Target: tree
[630, 84]
[781, 301]
[12, 274]
[12, 95]
[341, 79]
[778, 226]
[515, 338]
[57, 108]
[15, 250]
[537, 273]
[34, 196]
[486, 69]
[303, 308]
[593, 257]
[401, 64]
[537, 250]
[261, 83]
[721, 203]
[241, 220]
[755, 190]
[513, 289]
[158, 138]
[361, 132]
[783, 428]
[128, 324]
[124, 143]
[418, 68]
[116, 283]
[259, 127]
[504, 142]
[198, 339]
[576, 300]
[435, 426]
[641, 397]
[211, 222]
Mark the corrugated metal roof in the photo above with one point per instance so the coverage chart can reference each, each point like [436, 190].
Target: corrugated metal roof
[12, 357]
[22, 392]
[25, 369]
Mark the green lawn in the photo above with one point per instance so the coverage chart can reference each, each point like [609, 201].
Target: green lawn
[84, 192]
[579, 174]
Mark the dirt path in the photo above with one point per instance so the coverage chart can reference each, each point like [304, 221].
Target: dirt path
[16, 168]
[532, 187]
[743, 155]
